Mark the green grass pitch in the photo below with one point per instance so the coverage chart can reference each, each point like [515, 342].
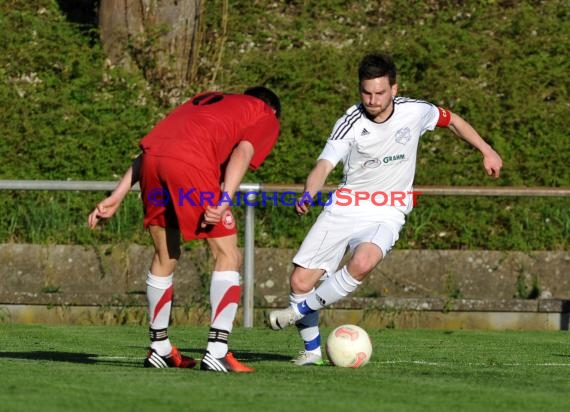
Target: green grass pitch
[99, 368]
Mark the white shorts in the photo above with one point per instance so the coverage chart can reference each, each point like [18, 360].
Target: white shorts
[334, 232]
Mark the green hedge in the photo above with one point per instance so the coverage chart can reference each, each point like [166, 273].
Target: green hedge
[501, 65]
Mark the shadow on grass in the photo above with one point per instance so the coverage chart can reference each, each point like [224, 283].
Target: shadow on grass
[95, 359]
[72, 357]
[242, 355]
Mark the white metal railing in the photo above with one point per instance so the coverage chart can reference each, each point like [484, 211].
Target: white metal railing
[93, 185]
[252, 189]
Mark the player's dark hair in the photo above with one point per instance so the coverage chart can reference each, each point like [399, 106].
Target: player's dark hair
[376, 65]
[267, 96]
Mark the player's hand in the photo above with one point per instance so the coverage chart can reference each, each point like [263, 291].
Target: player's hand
[104, 210]
[213, 215]
[493, 164]
[302, 206]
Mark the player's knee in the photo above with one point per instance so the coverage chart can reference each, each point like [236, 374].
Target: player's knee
[360, 266]
[300, 284]
[364, 260]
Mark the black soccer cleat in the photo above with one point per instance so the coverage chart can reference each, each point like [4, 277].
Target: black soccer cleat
[225, 365]
[174, 360]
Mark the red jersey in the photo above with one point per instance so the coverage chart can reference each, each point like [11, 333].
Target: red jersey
[204, 131]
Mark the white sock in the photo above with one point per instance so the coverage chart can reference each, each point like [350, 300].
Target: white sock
[333, 289]
[159, 297]
[308, 327]
[225, 293]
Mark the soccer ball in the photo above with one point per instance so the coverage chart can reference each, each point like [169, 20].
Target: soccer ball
[349, 346]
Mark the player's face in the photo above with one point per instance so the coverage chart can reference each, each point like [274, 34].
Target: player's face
[376, 96]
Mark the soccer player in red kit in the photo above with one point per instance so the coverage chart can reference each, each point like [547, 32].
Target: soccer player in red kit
[191, 166]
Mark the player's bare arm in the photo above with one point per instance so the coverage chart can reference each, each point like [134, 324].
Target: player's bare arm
[315, 182]
[235, 171]
[492, 162]
[108, 206]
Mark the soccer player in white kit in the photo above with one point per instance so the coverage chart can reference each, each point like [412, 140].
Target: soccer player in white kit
[377, 142]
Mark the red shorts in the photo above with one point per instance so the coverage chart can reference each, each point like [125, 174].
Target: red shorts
[176, 195]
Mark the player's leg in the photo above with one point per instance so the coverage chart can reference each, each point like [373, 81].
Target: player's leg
[321, 251]
[302, 282]
[161, 221]
[308, 328]
[335, 287]
[344, 281]
[369, 246]
[194, 190]
[225, 293]
[159, 296]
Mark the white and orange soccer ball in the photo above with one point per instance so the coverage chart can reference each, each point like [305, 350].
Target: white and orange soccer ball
[349, 346]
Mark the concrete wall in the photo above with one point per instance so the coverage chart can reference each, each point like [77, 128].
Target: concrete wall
[410, 284]
[113, 274]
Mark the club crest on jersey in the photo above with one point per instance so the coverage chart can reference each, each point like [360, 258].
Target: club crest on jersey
[228, 220]
[403, 136]
[372, 164]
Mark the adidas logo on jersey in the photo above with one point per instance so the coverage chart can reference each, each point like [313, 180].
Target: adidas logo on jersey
[364, 132]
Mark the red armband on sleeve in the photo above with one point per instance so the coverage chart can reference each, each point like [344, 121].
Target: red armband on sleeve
[444, 117]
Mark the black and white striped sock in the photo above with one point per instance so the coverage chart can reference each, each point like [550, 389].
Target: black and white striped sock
[159, 341]
[218, 342]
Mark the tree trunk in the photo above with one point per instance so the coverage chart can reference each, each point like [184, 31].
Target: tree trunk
[159, 37]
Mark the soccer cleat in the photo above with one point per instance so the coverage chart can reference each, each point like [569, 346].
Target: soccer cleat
[174, 360]
[279, 319]
[226, 364]
[308, 358]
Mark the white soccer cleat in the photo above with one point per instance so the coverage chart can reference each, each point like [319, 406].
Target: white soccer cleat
[279, 319]
[308, 358]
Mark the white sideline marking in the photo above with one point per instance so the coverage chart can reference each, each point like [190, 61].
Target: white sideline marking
[121, 358]
[116, 358]
[388, 362]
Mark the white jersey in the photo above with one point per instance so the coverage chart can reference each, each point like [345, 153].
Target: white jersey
[379, 158]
